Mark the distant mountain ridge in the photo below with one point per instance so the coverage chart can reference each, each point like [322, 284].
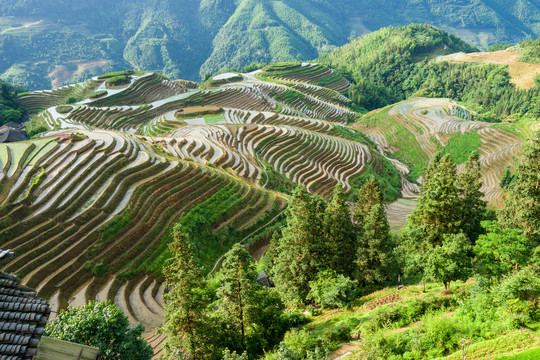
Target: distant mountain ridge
[67, 41]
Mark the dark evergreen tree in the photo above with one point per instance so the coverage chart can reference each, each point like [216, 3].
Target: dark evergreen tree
[473, 207]
[339, 234]
[237, 295]
[250, 313]
[374, 257]
[189, 331]
[439, 208]
[523, 207]
[369, 195]
[301, 251]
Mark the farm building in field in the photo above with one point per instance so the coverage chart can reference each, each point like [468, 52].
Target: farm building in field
[8, 135]
[23, 316]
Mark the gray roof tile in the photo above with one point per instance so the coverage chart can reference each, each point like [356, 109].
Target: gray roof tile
[22, 319]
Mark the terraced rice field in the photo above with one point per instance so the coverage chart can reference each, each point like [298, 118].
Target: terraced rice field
[431, 122]
[89, 206]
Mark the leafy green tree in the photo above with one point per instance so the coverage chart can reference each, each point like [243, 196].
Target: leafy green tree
[188, 328]
[439, 208]
[506, 179]
[449, 261]
[228, 355]
[339, 234]
[301, 251]
[369, 195]
[523, 207]
[473, 207]
[500, 250]
[103, 325]
[330, 289]
[237, 295]
[374, 256]
[251, 313]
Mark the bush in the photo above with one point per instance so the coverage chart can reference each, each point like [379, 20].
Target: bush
[72, 100]
[331, 290]
[34, 131]
[118, 80]
[99, 94]
[104, 326]
[64, 109]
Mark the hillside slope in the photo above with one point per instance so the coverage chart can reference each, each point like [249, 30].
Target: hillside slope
[68, 41]
[88, 207]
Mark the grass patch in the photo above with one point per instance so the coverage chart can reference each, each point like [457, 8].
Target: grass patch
[460, 146]
[214, 119]
[533, 354]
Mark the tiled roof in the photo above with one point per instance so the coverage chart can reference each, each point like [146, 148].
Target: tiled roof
[22, 318]
[11, 135]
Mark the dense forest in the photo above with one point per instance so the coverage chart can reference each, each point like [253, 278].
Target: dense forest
[68, 41]
[10, 110]
[396, 63]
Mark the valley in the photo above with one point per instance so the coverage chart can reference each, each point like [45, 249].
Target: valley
[88, 206]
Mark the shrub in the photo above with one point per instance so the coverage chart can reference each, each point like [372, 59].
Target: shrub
[72, 100]
[330, 289]
[102, 325]
[32, 132]
[99, 94]
[64, 109]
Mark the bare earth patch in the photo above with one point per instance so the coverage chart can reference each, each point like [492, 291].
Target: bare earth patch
[344, 350]
[63, 72]
[388, 299]
[522, 73]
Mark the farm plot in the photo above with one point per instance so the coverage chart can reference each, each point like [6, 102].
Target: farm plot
[85, 207]
[314, 74]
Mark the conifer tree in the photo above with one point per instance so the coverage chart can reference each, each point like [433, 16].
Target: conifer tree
[250, 313]
[439, 208]
[369, 195]
[523, 207]
[339, 234]
[374, 255]
[189, 333]
[237, 295]
[301, 251]
[473, 207]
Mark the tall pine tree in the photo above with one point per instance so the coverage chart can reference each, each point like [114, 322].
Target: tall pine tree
[250, 313]
[523, 207]
[301, 251]
[237, 295]
[374, 258]
[188, 329]
[369, 195]
[473, 207]
[439, 208]
[339, 234]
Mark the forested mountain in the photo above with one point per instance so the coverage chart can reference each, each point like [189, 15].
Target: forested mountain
[395, 63]
[65, 41]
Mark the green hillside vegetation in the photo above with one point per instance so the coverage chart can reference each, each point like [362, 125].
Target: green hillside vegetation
[10, 109]
[442, 289]
[396, 63]
[66, 42]
[124, 193]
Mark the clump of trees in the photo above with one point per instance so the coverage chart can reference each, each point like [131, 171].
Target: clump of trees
[102, 325]
[395, 63]
[10, 110]
[327, 251]
[232, 315]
